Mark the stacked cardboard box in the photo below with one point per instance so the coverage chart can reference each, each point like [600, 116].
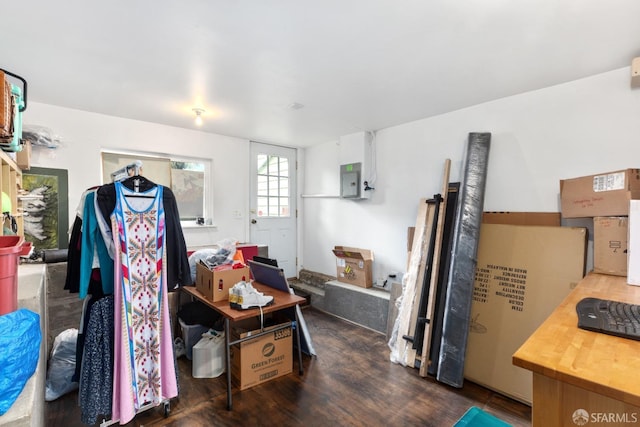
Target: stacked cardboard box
[606, 194]
[606, 198]
[610, 244]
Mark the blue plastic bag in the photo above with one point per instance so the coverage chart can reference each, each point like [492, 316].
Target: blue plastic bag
[20, 339]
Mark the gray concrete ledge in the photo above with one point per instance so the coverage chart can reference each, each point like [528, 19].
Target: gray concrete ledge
[366, 307]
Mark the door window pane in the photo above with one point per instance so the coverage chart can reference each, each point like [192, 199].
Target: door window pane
[284, 167]
[284, 206]
[263, 206]
[273, 186]
[262, 187]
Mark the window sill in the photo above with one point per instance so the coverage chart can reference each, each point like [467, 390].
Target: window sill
[192, 224]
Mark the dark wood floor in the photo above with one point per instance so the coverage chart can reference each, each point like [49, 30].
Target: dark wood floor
[350, 382]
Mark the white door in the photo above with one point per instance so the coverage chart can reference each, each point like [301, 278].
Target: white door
[273, 203]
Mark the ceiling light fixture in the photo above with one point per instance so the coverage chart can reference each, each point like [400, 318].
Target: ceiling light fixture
[198, 112]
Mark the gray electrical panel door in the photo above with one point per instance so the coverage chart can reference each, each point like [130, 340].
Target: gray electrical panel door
[350, 180]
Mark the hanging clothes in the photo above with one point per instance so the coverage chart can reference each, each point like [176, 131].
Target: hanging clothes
[178, 269]
[95, 255]
[72, 281]
[144, 369]
[96, 382]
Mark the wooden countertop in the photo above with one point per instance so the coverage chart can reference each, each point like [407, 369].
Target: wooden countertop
[594, 361]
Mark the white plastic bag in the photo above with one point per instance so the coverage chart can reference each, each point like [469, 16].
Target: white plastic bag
[62, 365]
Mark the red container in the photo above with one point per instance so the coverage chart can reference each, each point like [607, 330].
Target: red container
[10, 247]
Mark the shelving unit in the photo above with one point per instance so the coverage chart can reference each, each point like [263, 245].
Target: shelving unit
[10, 183]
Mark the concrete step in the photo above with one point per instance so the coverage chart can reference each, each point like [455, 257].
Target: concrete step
[367, 307]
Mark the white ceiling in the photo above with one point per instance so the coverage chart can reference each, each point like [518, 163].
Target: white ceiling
[353, 64]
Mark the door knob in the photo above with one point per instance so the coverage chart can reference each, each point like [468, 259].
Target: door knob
[254, 221]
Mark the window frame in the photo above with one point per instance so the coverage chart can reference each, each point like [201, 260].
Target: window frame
[207, 190]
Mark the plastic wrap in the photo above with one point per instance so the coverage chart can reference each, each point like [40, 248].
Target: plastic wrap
[219, 254]
[466, 234]
[40, 136]
[20, 339]
[62, 365]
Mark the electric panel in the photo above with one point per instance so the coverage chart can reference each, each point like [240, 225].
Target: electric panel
[350, 180]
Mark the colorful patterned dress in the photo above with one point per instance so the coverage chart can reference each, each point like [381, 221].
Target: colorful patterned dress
[144, 370]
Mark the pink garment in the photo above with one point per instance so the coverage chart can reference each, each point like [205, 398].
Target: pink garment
[144, 368]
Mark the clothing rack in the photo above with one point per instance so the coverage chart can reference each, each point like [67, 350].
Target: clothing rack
[101, 205]
[167, 411]
[132, 169]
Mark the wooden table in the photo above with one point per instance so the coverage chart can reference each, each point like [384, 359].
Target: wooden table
[576, 369]
[281, 301]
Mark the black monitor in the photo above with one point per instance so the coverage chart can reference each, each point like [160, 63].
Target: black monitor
[265, 260]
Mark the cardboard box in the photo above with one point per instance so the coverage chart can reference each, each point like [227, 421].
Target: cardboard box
[599, 195]
[633, 257]
[215, 284]
[261, 359]
[23, 157]
[610, 236]
[354, 266]
[522, 218]
[523, 273]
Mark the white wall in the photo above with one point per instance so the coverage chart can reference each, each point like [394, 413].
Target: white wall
[84, 134]
[578, 128]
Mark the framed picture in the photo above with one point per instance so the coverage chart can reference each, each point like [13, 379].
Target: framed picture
[46, 208]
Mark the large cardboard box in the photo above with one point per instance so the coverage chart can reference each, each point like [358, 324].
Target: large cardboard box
[522, 218]
[261, 359]
[522, 274]
[354, 266]
[215, 284]
[610, 234]
[605, 194]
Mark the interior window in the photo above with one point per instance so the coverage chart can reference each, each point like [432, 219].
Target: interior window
[188, 178]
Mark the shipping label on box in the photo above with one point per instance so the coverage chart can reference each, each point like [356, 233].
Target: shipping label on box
[605, 194]
[261, 359]
[354, 266]
[610, 236]
[522, 274]
[215, 284]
